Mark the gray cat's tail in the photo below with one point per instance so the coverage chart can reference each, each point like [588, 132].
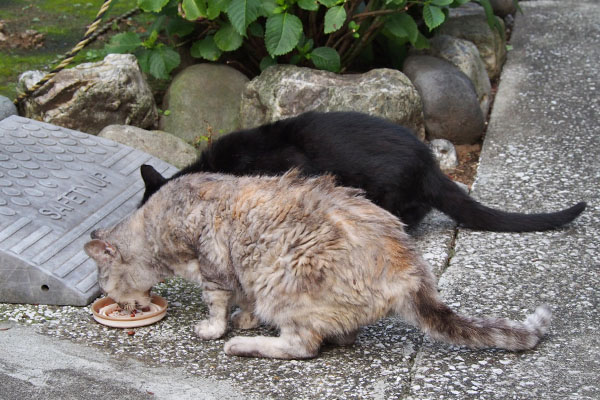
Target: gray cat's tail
[442, 323]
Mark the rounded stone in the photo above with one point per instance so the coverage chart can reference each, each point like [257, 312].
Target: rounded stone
[110, 91]
[160, 144]
[450, 105]
[7, 108]
[489, 42]
[464, 55]
[284, 91]
[502, 8]
[445, 153]
[203, 98]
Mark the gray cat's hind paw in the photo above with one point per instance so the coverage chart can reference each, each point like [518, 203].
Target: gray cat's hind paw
[244, 320]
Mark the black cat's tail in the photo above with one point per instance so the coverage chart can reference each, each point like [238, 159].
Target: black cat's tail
[449, 198]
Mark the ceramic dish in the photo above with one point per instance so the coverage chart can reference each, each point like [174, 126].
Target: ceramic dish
[108, 313]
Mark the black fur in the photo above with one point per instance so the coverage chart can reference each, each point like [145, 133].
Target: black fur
[396, 170]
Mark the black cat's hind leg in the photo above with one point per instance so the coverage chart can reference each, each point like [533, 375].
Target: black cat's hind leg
[412, 215]
[292, 343]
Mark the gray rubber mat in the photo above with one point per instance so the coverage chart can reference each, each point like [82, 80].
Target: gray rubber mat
[56, 186]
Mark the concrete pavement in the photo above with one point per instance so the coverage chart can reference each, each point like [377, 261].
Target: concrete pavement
[540, 153]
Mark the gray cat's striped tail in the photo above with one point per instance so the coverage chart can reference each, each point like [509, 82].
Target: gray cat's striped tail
[442, 323]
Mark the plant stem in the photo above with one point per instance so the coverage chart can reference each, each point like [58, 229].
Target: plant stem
[365, 39]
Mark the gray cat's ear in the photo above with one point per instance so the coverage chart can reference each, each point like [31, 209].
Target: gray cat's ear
[101, 250]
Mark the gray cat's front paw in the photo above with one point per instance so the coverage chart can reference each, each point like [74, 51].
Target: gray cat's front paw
[241, 319]
[210, 329]
[130, 306]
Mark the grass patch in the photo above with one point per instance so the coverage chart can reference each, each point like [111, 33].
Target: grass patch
[63, 22]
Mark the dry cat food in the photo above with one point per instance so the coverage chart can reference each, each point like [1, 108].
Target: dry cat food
[107, 312]
[114, 311]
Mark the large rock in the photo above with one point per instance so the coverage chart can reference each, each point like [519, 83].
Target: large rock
[7, 108]
[283, 91]
[92, 96]
[203, 99]
[160, 144]
[450, 103]
[464, 56]
[472, 25]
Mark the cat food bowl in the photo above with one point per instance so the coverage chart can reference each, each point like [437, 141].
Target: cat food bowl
[107, 312]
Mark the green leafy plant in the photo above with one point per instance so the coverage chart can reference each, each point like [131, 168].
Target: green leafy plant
[330, 35]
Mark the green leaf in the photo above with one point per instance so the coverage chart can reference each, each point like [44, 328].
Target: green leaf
[266, 62]
[124, 43]
[179, 27]
[268, 8]
[256, 29]
[215, 7]
[328, 3]
[308, 5]
[421, 43]
[206, 48]
[334, 19]
[194, 9]
[242, 13]
[150, 42]
[159, 61]
[442, 3]
[491, 18]
[433, 16]
[227, 38]
[295, 59]
[158, 24]
[144, 60]
[403, 26]
[282, 33]
[306, 46]
[152, 5]
[517, 6]
[326, 58]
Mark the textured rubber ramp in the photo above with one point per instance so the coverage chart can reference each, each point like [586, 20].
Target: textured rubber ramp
[56, 186]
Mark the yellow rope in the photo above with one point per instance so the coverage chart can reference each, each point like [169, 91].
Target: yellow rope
[89, 36]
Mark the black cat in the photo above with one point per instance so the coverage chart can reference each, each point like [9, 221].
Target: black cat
[396, 170]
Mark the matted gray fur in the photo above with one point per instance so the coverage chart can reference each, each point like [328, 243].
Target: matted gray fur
[315, 260]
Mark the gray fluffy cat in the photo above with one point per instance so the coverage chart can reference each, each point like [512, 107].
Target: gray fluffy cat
[315, 260]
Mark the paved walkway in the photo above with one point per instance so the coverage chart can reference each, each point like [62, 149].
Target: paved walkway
[540, 153]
